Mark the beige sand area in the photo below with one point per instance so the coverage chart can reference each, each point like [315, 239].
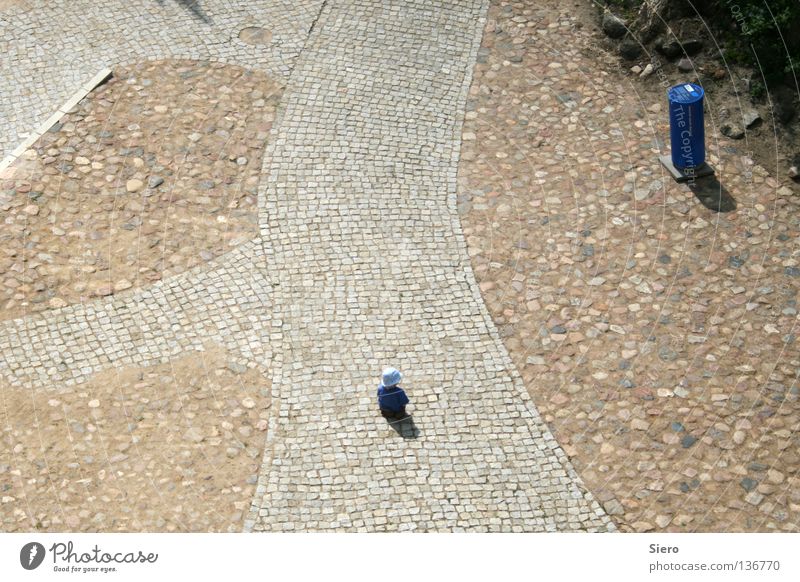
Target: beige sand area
[172, 447]
[6, 4]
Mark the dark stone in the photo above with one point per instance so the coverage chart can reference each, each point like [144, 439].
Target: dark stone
[664, 259]
[736, 261]
[625, 383]
[688, 441]
[677, 427]
[137, 152]
[56, 127]
[206, 185]
[692, 46]
[155, 181]
[792, 271]
[732, 130]
[748, 484]
[558, 329]
[783, 105]
[684, 487]
[614, 26]
[630, 49]
[624, 364]
[670, 48]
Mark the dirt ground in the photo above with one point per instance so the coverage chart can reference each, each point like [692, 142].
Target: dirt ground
[768, 142]
[656, 334]
[151, 174]
[173, 447]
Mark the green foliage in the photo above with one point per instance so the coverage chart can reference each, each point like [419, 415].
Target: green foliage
[764, 27]
[734, 50]
[757, 89]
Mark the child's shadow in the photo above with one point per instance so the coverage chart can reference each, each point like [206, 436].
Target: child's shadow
[405, 427]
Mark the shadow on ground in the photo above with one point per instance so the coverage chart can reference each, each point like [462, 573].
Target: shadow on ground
[405, 427]
[194, 7]
[713, 195]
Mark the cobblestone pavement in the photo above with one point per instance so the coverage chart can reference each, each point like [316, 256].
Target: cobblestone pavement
[361, 263]
[51, 47]
[656, 335]
[152, 173]
[226, 301]
[359, 210]
[171, 447]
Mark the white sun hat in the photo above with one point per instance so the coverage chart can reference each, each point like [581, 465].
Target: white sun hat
[391, 377]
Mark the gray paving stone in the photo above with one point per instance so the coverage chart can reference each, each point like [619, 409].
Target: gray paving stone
[361, 263]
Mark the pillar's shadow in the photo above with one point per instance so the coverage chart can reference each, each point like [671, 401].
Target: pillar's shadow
[194, 8]
[405, 427]
[712, 194]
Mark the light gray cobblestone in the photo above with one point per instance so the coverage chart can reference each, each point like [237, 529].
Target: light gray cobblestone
[227, 302]
[52, 47]
[359, 208]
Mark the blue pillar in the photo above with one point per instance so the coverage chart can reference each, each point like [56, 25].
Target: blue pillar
[686, 131]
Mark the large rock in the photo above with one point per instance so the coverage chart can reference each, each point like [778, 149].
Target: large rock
[614, 26]
[669, 47]
[783, 104]
[751, 118]
[630, 49]
[732, 130]
[692, 46]
[672, 48]
[794, 168]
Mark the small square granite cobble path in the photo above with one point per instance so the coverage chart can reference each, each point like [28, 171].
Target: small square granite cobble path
[360, 212]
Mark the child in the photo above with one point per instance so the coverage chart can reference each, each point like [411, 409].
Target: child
[392, 399]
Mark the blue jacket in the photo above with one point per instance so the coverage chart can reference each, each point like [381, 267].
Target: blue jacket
[392, 399]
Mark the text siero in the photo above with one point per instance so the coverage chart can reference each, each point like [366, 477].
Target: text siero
[659, 549]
